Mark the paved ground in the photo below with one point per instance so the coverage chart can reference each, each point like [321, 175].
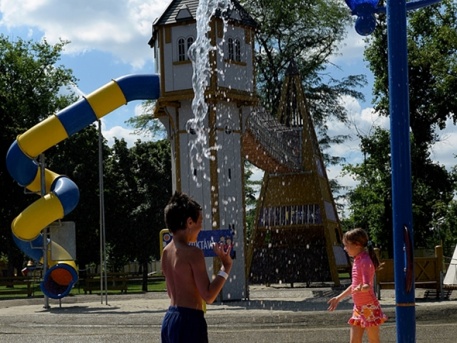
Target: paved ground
[273, 314]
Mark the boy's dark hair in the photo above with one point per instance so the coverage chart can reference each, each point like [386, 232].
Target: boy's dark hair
[179, 209]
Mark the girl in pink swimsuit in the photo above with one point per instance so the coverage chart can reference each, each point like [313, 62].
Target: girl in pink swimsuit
[367, 314]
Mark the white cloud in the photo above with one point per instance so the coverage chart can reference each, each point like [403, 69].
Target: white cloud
[351, 49]
[347, 181]
[444, 152]
[257, 174]
[139, 109]
[361, 122]
[121, 28]
[121, 132]
[111, 129]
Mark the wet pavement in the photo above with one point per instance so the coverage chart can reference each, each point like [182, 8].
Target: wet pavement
[278, 313]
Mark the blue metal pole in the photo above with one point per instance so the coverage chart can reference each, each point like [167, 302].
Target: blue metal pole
[401, 170]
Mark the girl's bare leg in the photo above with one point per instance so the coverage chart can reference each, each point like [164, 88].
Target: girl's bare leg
[373, 334]
[356, 334]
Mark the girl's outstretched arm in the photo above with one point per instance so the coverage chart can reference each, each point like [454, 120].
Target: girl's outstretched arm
[333, 302]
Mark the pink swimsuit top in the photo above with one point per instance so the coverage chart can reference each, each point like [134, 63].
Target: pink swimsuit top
[363, 272]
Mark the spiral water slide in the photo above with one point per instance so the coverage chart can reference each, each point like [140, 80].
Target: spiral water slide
[62, 194]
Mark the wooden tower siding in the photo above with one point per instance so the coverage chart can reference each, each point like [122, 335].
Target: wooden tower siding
[217, 183]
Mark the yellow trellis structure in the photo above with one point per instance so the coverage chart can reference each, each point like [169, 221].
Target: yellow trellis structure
[297, 231]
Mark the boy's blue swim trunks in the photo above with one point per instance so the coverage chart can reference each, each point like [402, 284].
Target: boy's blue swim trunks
[184, 325]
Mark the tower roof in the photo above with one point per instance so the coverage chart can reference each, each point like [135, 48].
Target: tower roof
[186, 10]
[179, 10]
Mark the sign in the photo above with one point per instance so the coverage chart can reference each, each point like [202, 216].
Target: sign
[204, 240]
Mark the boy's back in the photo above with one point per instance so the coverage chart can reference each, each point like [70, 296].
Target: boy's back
[178, 263]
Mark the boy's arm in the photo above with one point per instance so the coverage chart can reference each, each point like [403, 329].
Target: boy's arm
[209, 290]
[163, 266]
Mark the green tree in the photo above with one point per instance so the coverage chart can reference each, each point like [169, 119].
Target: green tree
[251, 188]
[432, 71]
[30, 84]
[444, 225]
[78, 158]
[371, 199]
[152, 171]
[120, 199]
[307, 32]
[145, 125]
[139, 185]
[432, 42]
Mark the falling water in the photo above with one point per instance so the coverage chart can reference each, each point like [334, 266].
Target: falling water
[199, 54]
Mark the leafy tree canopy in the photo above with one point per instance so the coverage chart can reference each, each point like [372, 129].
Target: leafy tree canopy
[30, 84]
[307, 32]
[432, 72]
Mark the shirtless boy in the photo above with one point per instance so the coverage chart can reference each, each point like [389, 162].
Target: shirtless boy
[184, 268]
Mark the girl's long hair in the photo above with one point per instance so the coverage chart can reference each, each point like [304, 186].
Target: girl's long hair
[360, 236]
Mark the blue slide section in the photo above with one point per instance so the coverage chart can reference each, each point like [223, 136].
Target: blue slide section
[62, 194]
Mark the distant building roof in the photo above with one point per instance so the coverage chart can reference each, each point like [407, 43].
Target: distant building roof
[185, 10]
[174, 9]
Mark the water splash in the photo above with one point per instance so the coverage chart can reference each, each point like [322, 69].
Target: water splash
[199, 54]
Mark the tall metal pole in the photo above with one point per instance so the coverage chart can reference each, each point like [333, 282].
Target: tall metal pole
[103, 274]
[401, 170]
[400, 149]
[42, 163]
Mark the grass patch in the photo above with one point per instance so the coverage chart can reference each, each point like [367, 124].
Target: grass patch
[133, 286]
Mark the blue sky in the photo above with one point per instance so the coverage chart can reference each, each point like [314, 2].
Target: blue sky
[109, 39]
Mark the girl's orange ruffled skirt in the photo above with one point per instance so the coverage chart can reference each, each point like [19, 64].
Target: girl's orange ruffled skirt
[367, 315]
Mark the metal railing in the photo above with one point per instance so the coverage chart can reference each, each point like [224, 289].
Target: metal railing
[282, 143]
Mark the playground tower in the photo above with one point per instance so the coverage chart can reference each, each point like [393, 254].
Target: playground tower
[217, 182]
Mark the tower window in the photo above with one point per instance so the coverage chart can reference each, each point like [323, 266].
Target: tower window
[234, 50]
[230, 49]
[237, 50]
[181, 50]
[190, 41]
